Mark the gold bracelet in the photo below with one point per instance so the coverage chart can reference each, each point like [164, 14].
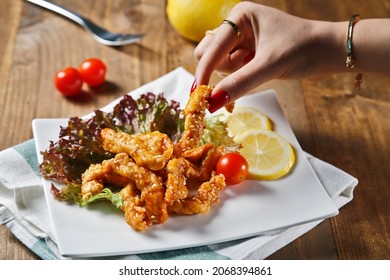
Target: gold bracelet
[350, 63]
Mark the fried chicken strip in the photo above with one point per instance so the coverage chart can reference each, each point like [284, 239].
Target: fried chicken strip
[92, 179]
[141, 210]
[202, 170]
[150, 185]
[134, 208]
[207, 194]
[198, 166]
[197, 154]
[150, 150]
[194, 112]
[176, 180]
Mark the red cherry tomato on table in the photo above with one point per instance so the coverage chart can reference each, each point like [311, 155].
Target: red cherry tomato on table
[93, 71]
[68, 81]
[234, 167]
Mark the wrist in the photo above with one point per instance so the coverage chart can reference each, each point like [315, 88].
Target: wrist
[330, 47]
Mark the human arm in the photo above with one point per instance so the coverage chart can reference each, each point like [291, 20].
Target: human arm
[275, 45]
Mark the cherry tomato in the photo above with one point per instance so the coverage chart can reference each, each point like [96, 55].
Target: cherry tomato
[93, 71]
[68, 81]
[234, 167]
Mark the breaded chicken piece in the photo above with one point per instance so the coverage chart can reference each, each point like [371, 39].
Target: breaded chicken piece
[150, 150]
[208, 193]
[194, 112]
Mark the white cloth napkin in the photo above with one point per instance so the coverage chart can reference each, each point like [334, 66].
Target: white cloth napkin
[24, 211]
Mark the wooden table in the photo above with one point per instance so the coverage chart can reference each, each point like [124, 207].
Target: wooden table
[347, 129]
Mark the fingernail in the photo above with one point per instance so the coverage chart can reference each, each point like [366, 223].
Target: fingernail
[249, 57]
[218, 100]
[194, 85]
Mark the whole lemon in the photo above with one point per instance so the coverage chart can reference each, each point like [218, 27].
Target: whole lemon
[192, 18]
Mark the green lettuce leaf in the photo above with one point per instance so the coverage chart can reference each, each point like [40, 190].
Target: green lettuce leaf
[105, 194]
[216, 132]
[72, 193]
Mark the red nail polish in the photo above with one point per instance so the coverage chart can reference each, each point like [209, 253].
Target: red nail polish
[249, 57]
[193, 87]
[218, 100]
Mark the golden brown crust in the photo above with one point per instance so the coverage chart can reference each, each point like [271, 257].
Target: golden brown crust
[153, 173]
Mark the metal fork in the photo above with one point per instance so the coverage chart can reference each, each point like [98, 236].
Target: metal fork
[98, 33]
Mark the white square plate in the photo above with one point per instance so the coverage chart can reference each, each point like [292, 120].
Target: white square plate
[245, 210]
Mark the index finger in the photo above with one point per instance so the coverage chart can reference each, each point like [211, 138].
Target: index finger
[216, 48]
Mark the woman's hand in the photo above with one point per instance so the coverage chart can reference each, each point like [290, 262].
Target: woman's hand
[271, 45]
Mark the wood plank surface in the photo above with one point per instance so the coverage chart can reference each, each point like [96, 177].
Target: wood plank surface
[347, 128]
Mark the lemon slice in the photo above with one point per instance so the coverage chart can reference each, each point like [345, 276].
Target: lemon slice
[269, 155]
[244, 119]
